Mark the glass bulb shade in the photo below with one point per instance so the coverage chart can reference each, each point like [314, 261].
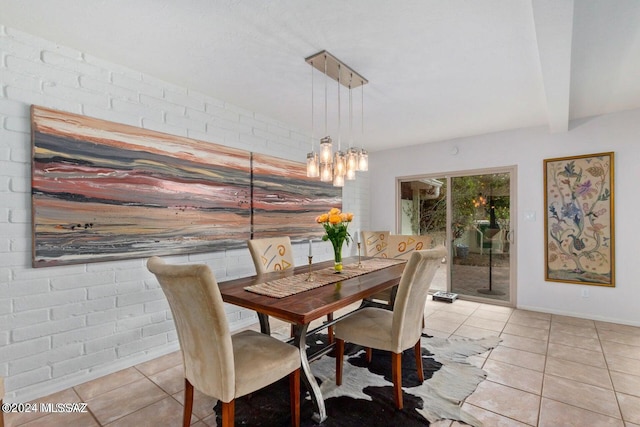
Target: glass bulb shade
[338, 180]
[351, 174]
[326, 150]
[312, 165]
[363, 160]
[326, 172]
[339, 164]
[352, 160]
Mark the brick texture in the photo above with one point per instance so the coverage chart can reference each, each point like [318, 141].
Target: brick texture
[61, 325]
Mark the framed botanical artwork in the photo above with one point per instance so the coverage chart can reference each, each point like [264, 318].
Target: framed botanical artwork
[579, 219]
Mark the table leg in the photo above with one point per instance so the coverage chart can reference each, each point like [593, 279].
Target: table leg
[300, 337]
[264, 323]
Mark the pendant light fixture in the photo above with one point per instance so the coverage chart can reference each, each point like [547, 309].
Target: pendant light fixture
[339, 165]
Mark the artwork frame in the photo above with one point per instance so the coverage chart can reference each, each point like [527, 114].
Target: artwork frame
[285, 201]
[105, 191]
[579, 219]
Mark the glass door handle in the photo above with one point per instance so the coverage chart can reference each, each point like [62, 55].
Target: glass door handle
[510, 236]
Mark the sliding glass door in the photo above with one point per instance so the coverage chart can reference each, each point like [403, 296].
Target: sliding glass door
[423, 210]
[471, 213]
[480, 232]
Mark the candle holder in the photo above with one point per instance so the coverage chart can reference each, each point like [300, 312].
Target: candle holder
[310, 277]
[359, 263]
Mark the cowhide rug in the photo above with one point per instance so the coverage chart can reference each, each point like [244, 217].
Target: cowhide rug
[365, 397]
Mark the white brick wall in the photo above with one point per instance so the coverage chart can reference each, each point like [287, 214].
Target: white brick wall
[65, 325]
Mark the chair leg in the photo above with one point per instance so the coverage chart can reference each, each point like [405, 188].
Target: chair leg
[294, 391]
[330, 330]
[418, 350]
[228, 413]
[188, 403]
[369, 354]
[339, 357]
[396, 375]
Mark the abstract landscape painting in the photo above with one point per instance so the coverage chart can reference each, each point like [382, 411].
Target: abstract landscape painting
[286, 202]
[104, 191]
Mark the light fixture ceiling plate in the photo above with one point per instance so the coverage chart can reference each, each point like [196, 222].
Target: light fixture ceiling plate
[348, 76]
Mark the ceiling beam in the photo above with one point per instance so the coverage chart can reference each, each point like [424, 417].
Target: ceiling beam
[553, 20]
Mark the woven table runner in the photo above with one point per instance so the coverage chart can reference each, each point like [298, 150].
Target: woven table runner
[292, 285]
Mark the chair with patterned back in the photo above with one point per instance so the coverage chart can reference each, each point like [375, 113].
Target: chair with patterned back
[375, 243]
[271, 254]
[274, 254]
[216, 363]
[402, 246]
[397, 330]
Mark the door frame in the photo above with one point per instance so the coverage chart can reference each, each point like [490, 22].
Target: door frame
[511, 235]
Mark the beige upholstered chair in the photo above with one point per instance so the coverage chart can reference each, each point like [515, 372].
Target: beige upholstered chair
[271, 254]
[375, 243]
[219, 364]
[402, 246]
[399, 247]
[396, 330]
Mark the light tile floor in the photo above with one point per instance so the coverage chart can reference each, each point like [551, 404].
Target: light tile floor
[548, 371]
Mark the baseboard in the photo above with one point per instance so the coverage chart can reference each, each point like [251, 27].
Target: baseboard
[579, 315]
[36, 391]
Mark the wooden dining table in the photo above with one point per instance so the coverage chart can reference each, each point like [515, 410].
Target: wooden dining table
[302, 308]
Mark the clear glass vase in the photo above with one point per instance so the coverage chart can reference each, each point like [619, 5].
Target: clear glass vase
[337, 256]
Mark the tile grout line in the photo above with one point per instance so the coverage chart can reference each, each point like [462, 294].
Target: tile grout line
[88, 408]
[197, 419]
[606, 363]
[544, 369]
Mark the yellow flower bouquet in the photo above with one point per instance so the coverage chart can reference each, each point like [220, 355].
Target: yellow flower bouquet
[335, 225]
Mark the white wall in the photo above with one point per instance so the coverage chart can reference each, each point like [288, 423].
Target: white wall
[527, 148]
[60, 326]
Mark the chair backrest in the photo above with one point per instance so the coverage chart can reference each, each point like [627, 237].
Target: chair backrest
[201, 322]
[271, 254]
[375, 243]
[402, 246]
[408, 309]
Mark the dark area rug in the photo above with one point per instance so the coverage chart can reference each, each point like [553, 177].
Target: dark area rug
[366, 396]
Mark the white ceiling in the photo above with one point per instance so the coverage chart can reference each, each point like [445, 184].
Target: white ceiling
[438, 69]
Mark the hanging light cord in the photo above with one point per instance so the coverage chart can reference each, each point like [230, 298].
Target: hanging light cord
[325, 96]
[339, 122]
[362, 118]
[312, 115]
[350, 114]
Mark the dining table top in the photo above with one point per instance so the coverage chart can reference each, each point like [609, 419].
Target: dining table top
[304, 307]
